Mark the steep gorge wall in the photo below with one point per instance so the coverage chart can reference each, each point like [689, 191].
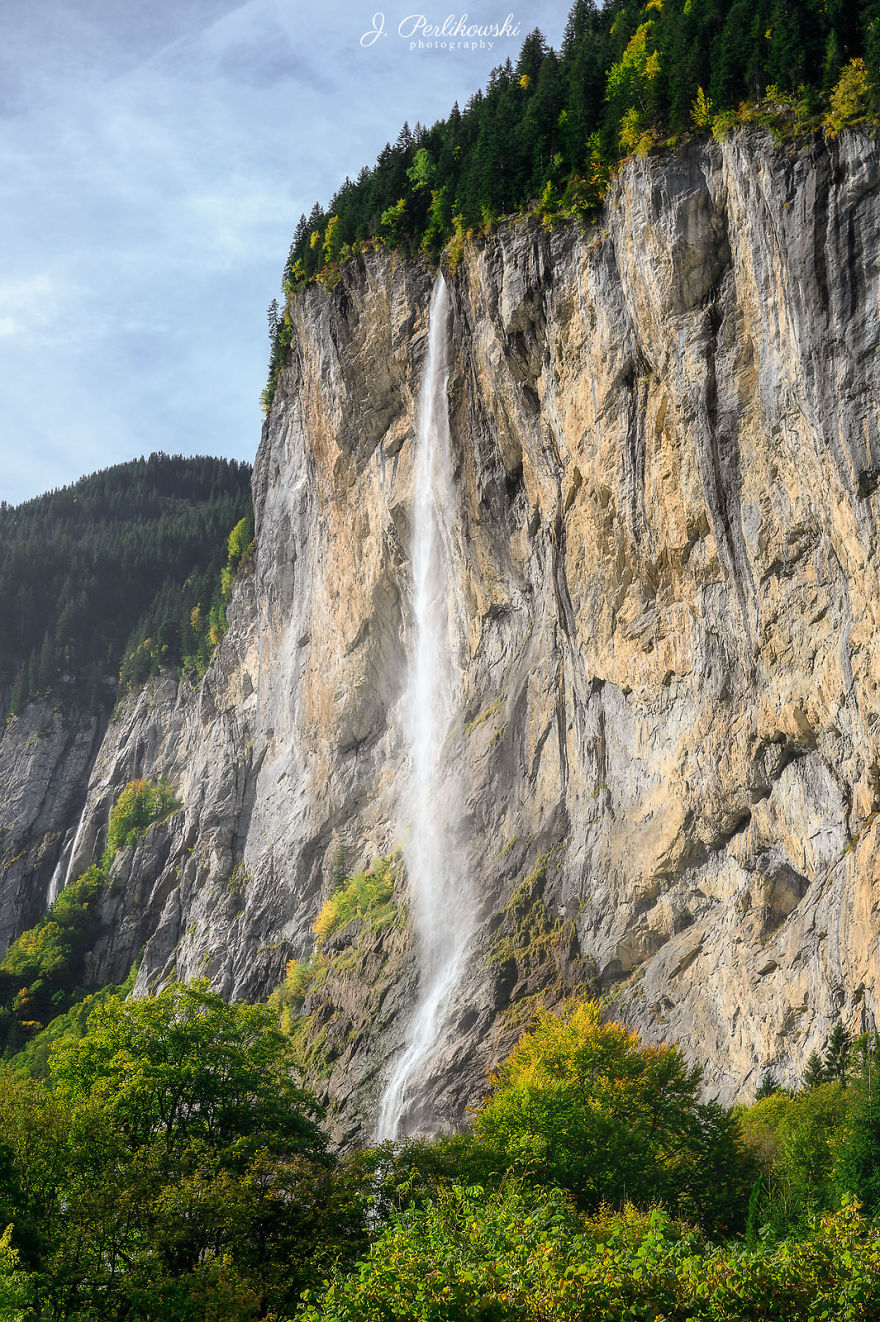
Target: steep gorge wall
[666, 450]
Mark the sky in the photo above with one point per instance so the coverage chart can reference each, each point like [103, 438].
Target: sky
[155, 156]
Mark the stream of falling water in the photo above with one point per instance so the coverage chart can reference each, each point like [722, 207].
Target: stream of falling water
[442, 911]
[61, 875]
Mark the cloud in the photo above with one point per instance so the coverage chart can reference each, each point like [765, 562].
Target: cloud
[31, 308]
[250, 45]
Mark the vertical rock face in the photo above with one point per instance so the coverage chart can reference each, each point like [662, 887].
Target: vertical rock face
[666, 447]
[45, 759]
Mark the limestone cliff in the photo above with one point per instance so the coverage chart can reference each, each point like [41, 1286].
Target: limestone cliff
[666, 441]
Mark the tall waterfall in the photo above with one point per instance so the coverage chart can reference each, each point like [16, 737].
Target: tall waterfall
[442, 912]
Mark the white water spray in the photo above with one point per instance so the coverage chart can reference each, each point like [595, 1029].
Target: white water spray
[442, 910]
[55, 884]
[64, 866]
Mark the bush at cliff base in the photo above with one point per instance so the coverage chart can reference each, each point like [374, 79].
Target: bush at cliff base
[587, 1106]
[521, 1255]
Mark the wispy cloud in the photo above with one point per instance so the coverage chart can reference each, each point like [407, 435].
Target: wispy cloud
[28, 308]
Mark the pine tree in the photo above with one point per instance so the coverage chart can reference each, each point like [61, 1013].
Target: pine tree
[273, 317]
[858, 1158]
[814, 1073]
[837, 1052]
[767, 1087]
[787, 54]
[531, 57]
[19, 692]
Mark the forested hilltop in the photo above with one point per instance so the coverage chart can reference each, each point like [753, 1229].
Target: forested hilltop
[551, 130]
[627, 78]
[121, 568]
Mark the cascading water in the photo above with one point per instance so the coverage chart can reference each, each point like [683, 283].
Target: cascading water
[442, 912]
[61, 875]
[55, 885]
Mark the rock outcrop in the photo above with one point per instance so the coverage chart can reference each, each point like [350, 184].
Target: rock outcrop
[666, 440]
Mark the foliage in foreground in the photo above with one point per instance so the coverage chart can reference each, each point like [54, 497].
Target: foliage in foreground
[172, 1168]
[510, 1255]
[587, 1106]
[821, 1144]
[162, 1161]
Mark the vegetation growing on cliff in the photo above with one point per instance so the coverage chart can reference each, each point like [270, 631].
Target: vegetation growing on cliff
[140, 804]
[42, 972]
[368, 895]
[549, 131]
[200, 626]
[357, 908]
[89, 572]
[528, 935]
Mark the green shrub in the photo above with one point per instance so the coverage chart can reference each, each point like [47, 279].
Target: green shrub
[32, 1061]
[140, 804]
[241, 543]
[794, 1139]
[853, 100]
[515, 1255]
[16, 1286]
[368, 895]
[171, 1168]
[298, 977]
[206, 628]
[42, 971]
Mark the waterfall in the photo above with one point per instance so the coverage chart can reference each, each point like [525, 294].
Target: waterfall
[54, 885]
[442, 911]
[61, 875]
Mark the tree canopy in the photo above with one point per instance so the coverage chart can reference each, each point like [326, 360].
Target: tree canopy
[161, 1160]
[192, 1072]
[552, 127]
[586, 1105]
[170, 1167]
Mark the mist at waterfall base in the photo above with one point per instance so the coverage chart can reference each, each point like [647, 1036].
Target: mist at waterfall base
[441, 906]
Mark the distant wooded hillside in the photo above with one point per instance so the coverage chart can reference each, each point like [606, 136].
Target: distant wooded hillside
[90, 571]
